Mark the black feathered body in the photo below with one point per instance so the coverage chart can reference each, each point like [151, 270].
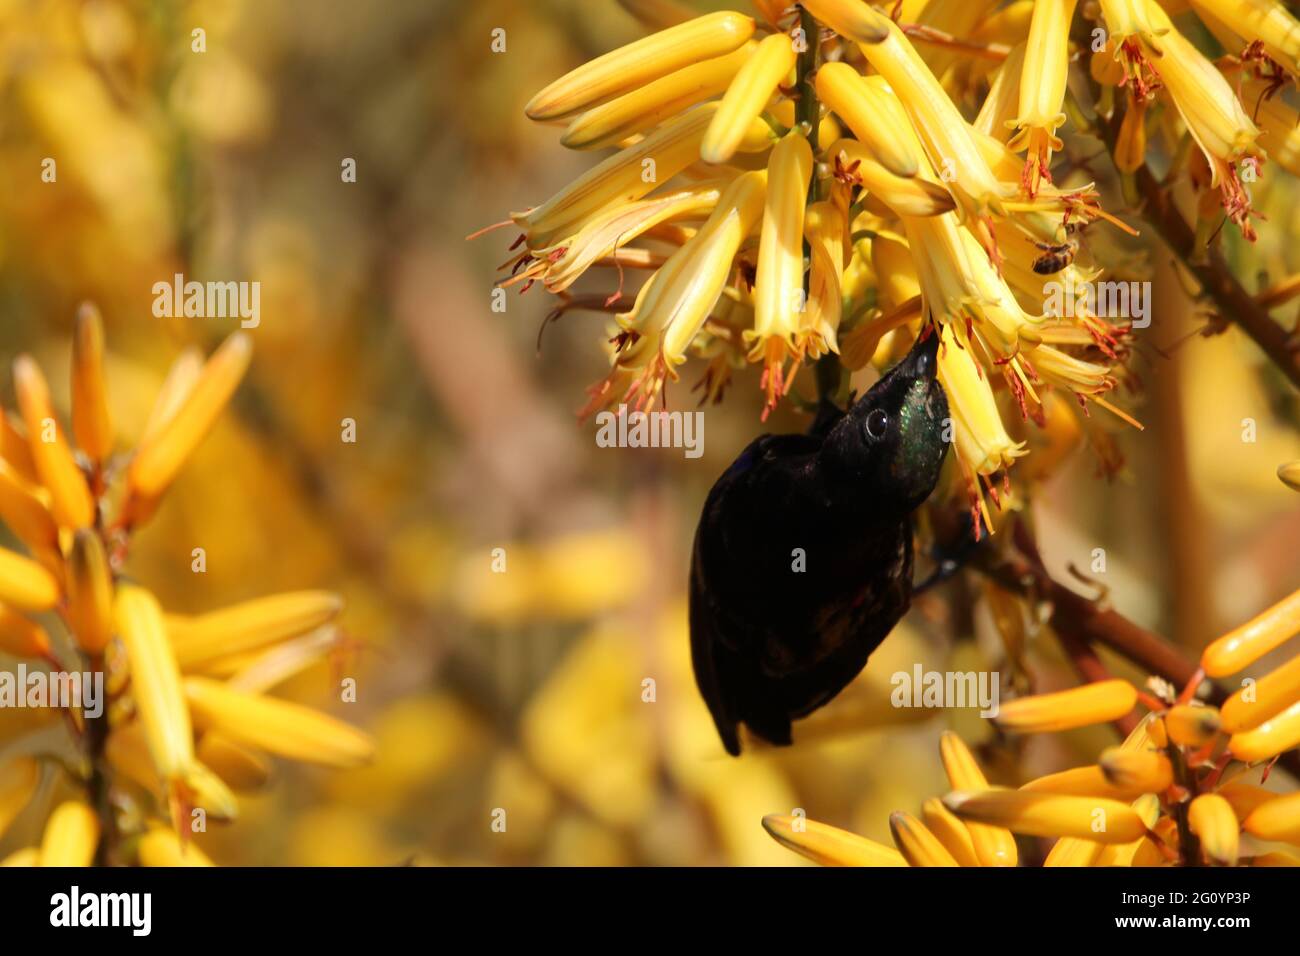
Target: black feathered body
[802, 562]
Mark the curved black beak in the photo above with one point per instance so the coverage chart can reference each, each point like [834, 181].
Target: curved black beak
[922, 360]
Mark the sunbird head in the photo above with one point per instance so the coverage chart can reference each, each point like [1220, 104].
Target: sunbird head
[890, 446]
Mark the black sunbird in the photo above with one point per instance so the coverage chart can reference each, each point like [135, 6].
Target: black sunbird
[802, 562]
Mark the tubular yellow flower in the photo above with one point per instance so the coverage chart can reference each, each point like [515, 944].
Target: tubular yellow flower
[249, 626]
[918, 845]
[23, 509]
[655, 103]
[1081, 782]
[624, 177]
[1050, 815]
[994, 845]
[1129, 18]
[1279, 135]
[1042, 88]
[1277, 819]
[277, 726]
[16, 450]
[824, 228]
[827, 845]
[161, 847]
[91, 423]
[18, 781]
[1272, 737]
[21, 636]
[1193, 726]
[1131, 144]
[999, 109]
[90, 592]
[746, 97]
[181, 378]
[1145, 771]
[641, 62]
[778, 290]
[980, 438]
[127, 750]
[858, 104]
[158, 460]
[949, 831]
[25, 584]
[1147, 807]
[1211, 818]
[849, 18]
[947, 138]
[1262, 634]
[1245, 798]
[155, 683]
[1072, 851]
[912, 196]
[1265, 20]
[1268, 697]
[69, 494]
[1077, 707]
[71, 836]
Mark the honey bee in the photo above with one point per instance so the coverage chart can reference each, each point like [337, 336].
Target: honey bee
[1057, 256]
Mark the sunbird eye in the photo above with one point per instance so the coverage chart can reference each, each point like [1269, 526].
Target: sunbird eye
[877, 423]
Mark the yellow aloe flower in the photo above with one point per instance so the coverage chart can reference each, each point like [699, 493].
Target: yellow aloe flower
[824, 228]
[1144, 771]
[994, 845]
[249, 626]
[1275, 735]
[756, 81]
[21, 636]
[848, 18]
[636, 64]
[156, 685]
[950, 831]
[176, 387]
[157, 461]
[1211, 818]
[829, 845]
[71, 836]
[1246, 798]
[1042, 88]
[673, 306]
[1081, 782]
[947, 138]
[276, 726]
[25, 584]
[242, 768]
[1265, 698]
[624, 177]
[1277, 819]
[1267, 21]
[906, 196]
[778, 292]
[1194, 726]
[90, 593]
[69, 495]
[645, 108]
[23, 508]
[861, 106]
[918, 845]
[91, 423]
[1049, 814]
[1072, 851]
[1261, 635]
[1062, 710]
[997, 115]
[1147, 807]
[1210, 108]
[159, 846]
